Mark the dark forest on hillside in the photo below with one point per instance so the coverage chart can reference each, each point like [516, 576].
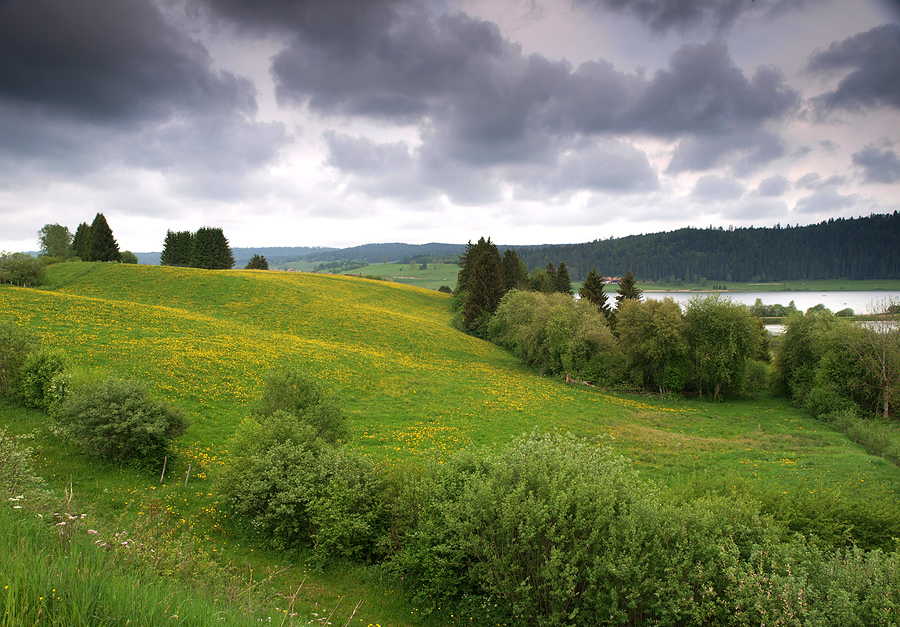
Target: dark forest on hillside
[854, 248]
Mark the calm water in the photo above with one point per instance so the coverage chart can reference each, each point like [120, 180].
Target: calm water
[860, 302]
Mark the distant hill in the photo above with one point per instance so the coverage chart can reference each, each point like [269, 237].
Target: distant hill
[854, 248]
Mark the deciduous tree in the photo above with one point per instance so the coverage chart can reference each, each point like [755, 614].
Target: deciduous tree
[55, 241]
[723, 338]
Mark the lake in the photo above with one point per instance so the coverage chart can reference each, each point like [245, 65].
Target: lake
[859, 301]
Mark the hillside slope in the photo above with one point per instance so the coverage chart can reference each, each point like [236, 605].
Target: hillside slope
[412, 385]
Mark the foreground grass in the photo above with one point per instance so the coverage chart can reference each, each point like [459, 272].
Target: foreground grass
[414, 388]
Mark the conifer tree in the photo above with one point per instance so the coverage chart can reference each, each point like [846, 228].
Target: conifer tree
[592, 291]
[102, 245]
[257, 262]
[561, 281]
[211, 250]
[514, 271]
[177, 249]
[627, 289]
[81, 241]
[480, 278]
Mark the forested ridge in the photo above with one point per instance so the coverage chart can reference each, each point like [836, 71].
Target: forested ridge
[852, 248]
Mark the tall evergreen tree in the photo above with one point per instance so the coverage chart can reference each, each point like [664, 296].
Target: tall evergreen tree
[177, 249]
[481, 279]
[102, 245]
[561, 281]
[592, 291]
[211, 250]
[82, 240]
[514, 271]
[627, 289]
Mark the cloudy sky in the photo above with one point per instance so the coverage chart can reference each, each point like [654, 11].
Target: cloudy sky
[344, 122]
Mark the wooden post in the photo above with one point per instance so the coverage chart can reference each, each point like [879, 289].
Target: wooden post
[188, 475]
[163, 475]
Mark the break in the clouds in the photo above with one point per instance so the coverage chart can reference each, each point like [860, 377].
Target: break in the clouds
[288, 120]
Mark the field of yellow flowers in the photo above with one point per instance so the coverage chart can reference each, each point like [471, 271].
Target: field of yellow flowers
[413, 387]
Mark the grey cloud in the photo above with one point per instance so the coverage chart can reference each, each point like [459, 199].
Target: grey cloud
[874, 71]
[703, 92]
[479, 100]
[824, 200]
[772, 186]
[693, 15]
[599, 166]
[814, 180]
[879, 165]
[107, 62]
[93, 85]
[712, 187]
[744, 152]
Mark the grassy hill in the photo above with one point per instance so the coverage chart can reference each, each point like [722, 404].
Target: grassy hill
[413, 388]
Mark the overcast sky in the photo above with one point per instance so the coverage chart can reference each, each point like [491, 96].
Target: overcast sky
[345, 122]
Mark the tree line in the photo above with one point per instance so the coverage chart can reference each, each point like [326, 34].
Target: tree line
[712, 347]
[851, 248]
[90, 242]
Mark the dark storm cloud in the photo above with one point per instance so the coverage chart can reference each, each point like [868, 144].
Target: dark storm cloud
[478, 101]
[874, 70]
[693, 15]
[85, 85]
[879, 164]
[108, 61]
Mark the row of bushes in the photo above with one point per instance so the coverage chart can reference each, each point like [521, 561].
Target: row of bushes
[111, 418]
[550, 530]
[714, 346]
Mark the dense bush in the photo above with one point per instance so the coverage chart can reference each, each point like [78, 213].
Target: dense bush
[299, 395]
[43, 379]
[556, 334]
[16, 344]
[559, 531]
[21, 269]
[120, 421]
[288, 488]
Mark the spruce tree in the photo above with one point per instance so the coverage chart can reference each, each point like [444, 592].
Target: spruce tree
[549, 279]
[102, 245]
[561, 281]
[592, 291]
[82, 240]
[211, 250]
[627, 289]
[481, 279]
[177, 249]
[257, 262]
[513, 270]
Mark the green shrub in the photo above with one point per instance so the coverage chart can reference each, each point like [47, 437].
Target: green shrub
[755, 379]
[43, 378]
[288, 489]
[822, 400]
[21, 269]
[298, 394]
[120, 421]
[15, 346]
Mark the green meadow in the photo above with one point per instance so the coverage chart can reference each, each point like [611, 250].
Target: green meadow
[414, 389]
